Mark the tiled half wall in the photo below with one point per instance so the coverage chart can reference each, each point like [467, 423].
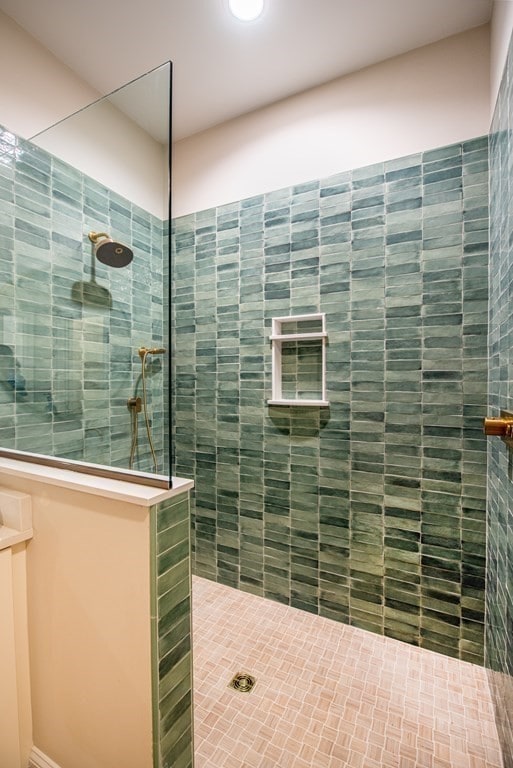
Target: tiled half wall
[171, 634]
[371, 511]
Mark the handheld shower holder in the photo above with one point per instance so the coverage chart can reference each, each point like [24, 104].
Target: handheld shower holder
[143, 351]
[135, 403]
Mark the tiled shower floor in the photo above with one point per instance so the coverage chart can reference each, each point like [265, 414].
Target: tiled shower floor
[328, 695]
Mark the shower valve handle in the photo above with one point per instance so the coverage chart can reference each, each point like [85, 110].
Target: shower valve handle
[497, 425]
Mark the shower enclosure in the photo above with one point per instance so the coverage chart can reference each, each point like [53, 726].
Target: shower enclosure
[84, 260]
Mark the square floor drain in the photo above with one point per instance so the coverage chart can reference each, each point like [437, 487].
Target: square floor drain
[242, 682]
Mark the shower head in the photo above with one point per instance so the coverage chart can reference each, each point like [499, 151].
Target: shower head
[108, 251]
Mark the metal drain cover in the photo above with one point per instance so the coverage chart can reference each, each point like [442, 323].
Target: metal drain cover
[242, 682]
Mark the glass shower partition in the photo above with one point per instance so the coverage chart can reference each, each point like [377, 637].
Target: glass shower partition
[84, 330]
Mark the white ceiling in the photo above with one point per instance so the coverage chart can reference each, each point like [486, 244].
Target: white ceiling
[224, 68]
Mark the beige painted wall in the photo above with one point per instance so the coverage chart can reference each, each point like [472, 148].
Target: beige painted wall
[104, 144]
[89, 628]
[38, 90]
[432, 96]
[429, 97]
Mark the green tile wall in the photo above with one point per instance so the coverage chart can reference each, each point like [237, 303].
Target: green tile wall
[499, 582]
[371, 512]
[78, 358]
[171, 632]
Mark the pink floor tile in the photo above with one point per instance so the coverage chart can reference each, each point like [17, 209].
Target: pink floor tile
[328, 695]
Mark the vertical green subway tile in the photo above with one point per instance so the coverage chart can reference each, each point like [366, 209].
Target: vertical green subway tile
[351, 511]
[171, 632]
[499, 525]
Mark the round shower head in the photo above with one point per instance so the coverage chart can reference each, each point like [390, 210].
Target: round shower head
[109, 252]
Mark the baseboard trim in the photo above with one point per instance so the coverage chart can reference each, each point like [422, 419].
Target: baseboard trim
[38, 759]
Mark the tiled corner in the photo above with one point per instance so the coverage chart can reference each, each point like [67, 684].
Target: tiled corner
[371, 512]
[499, 578]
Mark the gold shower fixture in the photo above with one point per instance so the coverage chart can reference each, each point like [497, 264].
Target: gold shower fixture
[143, 351]
[137, 404]
[110, 252]
[95, 236]
[502, 426]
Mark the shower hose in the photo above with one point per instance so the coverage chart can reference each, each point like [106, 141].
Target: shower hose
[136, 404]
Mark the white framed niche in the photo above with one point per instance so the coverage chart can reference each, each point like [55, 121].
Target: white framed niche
[298, 344]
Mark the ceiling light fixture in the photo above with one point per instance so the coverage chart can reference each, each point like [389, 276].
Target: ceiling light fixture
[246, 10]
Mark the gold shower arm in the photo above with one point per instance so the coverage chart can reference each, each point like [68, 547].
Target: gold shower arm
[95, 236]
